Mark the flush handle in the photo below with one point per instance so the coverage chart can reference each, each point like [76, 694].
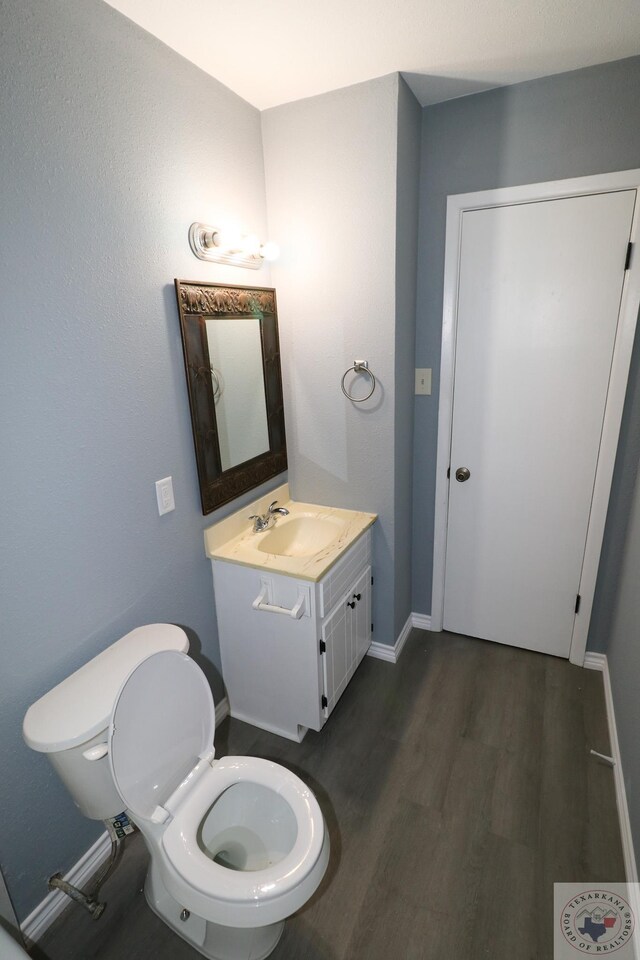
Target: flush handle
[97, 752]
[462, 474]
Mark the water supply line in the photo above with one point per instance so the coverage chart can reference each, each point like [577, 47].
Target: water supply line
[89, 900]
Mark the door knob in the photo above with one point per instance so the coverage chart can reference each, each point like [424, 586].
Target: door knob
[462, 474]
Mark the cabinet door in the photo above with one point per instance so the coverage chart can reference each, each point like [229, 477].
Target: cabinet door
[361, 637]
[347, 634]
[335, 659]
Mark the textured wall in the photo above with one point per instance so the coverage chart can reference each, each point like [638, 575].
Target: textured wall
[330, 165]
[570, 125]
[111, 145]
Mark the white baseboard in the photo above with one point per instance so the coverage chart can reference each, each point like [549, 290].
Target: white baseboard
[594, 661]
[598, 661]
[384, 651]
[222, 711]
[297, 737]
[49, 909]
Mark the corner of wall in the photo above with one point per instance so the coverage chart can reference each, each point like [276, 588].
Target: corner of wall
[409, 119]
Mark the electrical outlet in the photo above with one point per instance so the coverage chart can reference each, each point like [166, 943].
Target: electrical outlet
[164, 495]
[423, 381]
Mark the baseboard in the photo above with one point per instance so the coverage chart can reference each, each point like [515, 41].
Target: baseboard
[297, 737]
[384, 651]
[594, 661]
[598, 661]
[222, 711]
[49, 909]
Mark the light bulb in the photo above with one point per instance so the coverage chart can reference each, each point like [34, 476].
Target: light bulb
[228, 240]
[251, 245]
[270, 251]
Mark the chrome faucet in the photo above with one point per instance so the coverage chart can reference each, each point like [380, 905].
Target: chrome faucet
[266, 520]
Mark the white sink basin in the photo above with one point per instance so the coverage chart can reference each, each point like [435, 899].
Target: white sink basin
[300, 536]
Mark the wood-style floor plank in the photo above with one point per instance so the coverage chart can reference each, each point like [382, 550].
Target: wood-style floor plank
[457, 785]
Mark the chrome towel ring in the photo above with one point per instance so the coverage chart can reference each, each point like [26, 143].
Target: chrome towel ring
[359, 366]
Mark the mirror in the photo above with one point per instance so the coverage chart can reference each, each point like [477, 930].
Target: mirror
[232, 363]
[235, 348]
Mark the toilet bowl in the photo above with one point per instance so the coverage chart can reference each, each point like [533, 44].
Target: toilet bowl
[236, 845]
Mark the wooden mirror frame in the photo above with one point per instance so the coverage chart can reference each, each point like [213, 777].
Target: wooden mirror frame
[197, 302]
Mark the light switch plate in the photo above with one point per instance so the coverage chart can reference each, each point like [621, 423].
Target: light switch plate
[423, 380]
[164, 495]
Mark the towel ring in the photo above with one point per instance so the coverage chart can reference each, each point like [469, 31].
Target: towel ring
[359, 366]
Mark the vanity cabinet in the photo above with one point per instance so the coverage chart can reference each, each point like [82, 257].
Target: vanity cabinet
[289, 646]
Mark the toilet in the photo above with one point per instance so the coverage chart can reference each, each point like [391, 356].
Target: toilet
[236, 845]
[9, 948]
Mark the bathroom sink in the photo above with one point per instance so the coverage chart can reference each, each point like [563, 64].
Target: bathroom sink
[300, 536]
[304, 543]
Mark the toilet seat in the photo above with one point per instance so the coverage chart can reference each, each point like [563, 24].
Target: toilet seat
[162, 729]
[211, 879]
[162, 760]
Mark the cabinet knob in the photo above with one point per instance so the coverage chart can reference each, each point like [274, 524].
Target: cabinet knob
[351, 604]
[357, 596]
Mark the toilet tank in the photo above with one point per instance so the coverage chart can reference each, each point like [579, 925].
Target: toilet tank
[70, 723]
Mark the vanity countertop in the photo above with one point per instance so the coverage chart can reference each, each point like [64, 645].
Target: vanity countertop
[233, 539]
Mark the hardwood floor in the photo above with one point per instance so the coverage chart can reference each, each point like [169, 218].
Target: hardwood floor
[457, 786]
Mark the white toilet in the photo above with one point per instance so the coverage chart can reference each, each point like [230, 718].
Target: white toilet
[237, 845]
[9, 948]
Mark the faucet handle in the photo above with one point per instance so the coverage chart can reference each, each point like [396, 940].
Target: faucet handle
[272, 505]
[259, 523]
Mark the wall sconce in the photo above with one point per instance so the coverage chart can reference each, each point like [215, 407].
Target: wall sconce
[225, 246]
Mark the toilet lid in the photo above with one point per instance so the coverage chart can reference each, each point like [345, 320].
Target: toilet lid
[162, 724]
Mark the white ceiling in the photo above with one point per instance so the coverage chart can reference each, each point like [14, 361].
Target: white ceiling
[275, 51]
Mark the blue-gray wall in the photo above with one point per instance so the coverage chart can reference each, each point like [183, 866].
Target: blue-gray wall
[569, 125]
[623, 649]
[111, 145]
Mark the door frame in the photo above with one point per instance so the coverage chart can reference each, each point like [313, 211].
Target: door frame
[457, 205]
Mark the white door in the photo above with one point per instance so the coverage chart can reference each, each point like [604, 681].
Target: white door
[538, 302]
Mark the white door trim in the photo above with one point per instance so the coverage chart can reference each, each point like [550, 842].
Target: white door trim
[532, 193]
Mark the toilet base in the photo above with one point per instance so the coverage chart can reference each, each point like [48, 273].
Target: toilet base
[212, 940]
